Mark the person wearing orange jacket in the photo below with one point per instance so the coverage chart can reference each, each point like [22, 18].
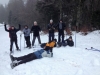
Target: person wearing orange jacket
[45, 52]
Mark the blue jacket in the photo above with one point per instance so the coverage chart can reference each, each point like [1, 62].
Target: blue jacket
[39, 53]
[26, 32]
[42, 53]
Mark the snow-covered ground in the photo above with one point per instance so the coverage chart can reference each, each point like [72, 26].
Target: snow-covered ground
[65, 61]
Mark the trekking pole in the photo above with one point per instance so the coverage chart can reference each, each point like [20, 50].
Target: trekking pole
[13, 49]
[31, 39]
[75, 35]
[24, 42]
[66, 34]
[20, 41]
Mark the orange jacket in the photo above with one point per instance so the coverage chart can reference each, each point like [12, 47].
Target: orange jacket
[51, 44]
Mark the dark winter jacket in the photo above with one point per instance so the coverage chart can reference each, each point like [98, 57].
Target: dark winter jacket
[35, 30]
[51, 28]
[63, 27]
[12, 32]
[70, 42]
[42, 53]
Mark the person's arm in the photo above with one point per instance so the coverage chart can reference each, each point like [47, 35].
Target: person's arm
[28, 31]
[6, 28]
[64, 26]
[48, 27]
[31, 29]
[39, 28]
[53, 27]
[23, 31]
[47, 48]
[56, 26]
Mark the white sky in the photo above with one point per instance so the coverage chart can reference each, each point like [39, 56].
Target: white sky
[4, 2]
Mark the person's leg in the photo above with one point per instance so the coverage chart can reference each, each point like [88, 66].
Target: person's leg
[34, 37]
[16, 43]
[23, 57]
[39, 40]
[49, 37]
[26, 39]
[52, 36]
[32, 57]
[63, 37]
[11, 45]
[29, 43]
[59, 35]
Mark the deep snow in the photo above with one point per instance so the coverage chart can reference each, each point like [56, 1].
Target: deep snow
[66, 60]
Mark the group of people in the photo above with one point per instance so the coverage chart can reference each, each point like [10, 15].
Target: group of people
[47, 47]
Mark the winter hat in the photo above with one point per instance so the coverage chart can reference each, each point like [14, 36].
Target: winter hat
[51, 20]
[70, 37]
[26, 26]
[60, 20]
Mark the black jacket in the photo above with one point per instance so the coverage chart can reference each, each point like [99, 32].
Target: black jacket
[12, 32]
[63, 27]
[35, 30]
[70, 42]
[51, 28]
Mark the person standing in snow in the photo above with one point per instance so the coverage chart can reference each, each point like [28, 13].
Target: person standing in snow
[13, 36]
[61, 27]
[51, 29]
[45, 52]
[26, 32]
[35, 29]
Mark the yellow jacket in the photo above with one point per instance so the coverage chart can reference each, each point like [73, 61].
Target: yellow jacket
[51, 44]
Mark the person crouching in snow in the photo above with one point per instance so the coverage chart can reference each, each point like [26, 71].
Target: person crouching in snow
[69, 41]
[45, 52]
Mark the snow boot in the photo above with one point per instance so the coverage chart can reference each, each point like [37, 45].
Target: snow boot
[14, 64]
[12, 58]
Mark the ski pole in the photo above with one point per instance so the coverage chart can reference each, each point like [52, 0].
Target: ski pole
[13, 49]
[20, 41]
[24, 42]
[75, 35]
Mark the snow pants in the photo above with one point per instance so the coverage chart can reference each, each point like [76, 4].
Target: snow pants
[51, 36]
[26, 58]
[27, 39]
[39, 40]
[11, 43]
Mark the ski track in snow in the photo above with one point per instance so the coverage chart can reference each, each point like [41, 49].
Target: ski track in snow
[65, 61]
